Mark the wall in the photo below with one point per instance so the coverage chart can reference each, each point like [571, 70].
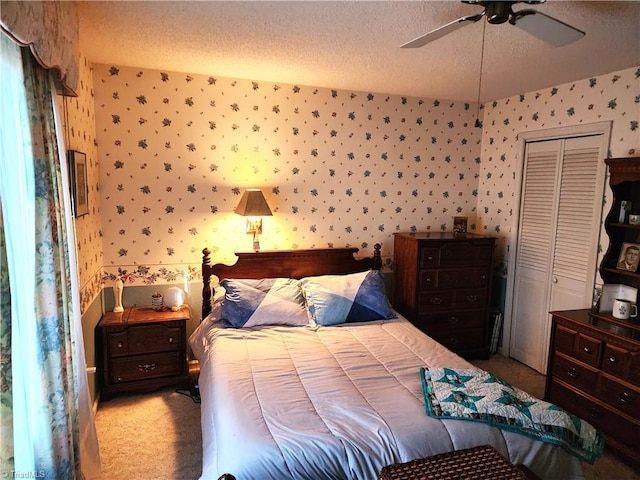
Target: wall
[79, 131]
[338, 167]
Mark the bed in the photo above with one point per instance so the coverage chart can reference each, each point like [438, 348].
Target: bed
[317, 400]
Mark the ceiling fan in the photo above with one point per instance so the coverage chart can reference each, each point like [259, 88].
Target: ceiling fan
[544, 27]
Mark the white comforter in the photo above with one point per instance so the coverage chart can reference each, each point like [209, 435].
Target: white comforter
[335, 402]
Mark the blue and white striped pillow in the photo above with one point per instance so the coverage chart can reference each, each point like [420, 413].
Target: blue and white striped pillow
[269, 301]
[355, 297]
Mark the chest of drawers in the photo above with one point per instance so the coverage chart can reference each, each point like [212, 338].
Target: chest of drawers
[442, 284]
[142, 349]
[594, 372]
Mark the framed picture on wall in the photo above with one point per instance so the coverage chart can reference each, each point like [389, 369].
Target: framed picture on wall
[78, 181]
[629, 257]
[459, 225]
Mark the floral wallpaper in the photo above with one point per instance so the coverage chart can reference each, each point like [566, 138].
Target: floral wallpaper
[613, 97]
[338, 168]
[79, 129]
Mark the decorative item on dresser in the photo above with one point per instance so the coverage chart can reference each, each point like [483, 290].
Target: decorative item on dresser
[594, 372]
[142, 349]
[442, 284]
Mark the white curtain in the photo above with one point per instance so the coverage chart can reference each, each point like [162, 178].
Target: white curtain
[45, 411]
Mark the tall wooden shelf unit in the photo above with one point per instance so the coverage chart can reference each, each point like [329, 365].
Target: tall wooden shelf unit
[624, 181]
[594, 359]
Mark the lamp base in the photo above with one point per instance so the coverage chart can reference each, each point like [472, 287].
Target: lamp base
[256, 245]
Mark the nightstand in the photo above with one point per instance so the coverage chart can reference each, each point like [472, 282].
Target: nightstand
[142, 349]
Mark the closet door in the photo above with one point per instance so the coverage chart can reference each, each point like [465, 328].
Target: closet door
[558, 239]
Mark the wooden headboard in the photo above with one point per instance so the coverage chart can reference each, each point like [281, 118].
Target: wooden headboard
[287, 264]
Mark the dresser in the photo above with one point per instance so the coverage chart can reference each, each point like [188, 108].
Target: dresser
[594, 372]
[442, 284]
[142, 349]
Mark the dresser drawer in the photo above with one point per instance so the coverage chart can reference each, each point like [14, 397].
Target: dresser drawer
[620, 396]
[565, 339]
[634, 368]
[615, 360]
[429, 257]
[455, 320]
[154, 338]
[581, 376]
[589, 350]
[464, 254]
[458, 339]
[437, 299]
[454, 278]
[598, 415]
[142, 367]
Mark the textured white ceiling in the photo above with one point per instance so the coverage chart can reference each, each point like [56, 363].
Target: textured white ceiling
[355, 45]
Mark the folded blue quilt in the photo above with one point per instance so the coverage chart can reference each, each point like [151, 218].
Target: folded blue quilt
[481, 396]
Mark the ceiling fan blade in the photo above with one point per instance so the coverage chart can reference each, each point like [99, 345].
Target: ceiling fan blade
[546, 28]
[442, 31]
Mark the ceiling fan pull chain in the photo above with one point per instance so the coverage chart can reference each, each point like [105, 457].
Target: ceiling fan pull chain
[478, 123]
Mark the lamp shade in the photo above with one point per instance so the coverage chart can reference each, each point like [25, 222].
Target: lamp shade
[253, 204]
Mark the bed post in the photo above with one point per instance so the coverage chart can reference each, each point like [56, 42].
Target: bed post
[206, 283]
[377, 258]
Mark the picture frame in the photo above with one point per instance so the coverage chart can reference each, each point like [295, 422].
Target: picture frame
[78, 182]
[459, 225]
[629, 257]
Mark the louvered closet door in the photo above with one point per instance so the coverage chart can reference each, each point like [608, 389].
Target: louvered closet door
[558, 238]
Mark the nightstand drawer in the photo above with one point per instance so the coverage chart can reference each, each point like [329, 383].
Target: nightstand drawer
[141, 367]
[154, 338]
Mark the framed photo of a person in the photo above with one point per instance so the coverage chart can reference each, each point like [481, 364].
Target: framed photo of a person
[79, 184]
[629, 257]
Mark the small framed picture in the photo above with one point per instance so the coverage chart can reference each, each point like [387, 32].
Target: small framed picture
[79, 183]
[629, 257]
[459, 224]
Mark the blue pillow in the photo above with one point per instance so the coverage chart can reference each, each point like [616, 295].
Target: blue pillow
[355, 297]
[269, 301]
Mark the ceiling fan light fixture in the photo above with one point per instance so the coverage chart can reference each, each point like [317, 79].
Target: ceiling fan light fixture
[498, 12]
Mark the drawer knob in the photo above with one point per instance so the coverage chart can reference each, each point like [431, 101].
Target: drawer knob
[436, 300]
[453, 320]
[624, 397]
[170, 339]
[430, 258]
[472, 298]
[586, 350]
[612, 360]
[147, 367]
[573, 373]
[120, 345]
